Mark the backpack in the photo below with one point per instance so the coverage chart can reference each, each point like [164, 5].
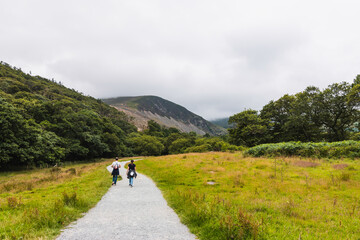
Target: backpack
[116, 166]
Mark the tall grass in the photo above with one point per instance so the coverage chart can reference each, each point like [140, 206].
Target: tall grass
[228, 196]
[38, 203]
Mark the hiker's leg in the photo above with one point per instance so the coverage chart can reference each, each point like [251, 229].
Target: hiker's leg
[115, 178]
[131, 180]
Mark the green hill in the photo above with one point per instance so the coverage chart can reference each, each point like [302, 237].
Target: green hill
[43, 122]
[164, 112]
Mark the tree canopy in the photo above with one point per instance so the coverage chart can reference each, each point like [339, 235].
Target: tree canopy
[309, 116]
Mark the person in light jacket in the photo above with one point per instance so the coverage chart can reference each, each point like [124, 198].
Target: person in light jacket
[115, 172]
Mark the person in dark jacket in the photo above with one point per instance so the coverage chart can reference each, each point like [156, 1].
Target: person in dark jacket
[131, 173]
[115, 172]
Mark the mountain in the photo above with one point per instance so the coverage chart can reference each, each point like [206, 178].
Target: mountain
[164, 112]
[222, 122]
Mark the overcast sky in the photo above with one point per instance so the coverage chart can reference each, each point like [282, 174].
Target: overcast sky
[215, 58]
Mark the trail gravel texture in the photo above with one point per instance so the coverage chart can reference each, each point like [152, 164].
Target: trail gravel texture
[137, 213]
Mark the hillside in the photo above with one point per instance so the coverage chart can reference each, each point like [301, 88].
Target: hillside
[222, 122]
[164, 112]
[44, 123]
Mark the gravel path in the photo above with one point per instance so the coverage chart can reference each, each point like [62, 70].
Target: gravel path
[137, 213]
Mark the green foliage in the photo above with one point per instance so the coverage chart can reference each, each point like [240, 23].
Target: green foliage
[309, 116]
[23, 142]
[159, 140]
[43, 123]
[248, 129]
[337, 110]
[200, 148]
[293, 118]
[349, 149]
[144, 145]
[212, 144]
[179, 145]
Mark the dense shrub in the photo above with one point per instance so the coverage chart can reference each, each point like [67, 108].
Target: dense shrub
[144, 145]
[350, 149]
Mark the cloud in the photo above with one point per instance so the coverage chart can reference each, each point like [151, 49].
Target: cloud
[215, 58]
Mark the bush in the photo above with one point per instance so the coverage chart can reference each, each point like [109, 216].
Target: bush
[200, 149]
[144, 145]
[350, 149]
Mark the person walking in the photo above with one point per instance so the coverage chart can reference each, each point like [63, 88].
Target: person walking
[131, 173]
[115, 172]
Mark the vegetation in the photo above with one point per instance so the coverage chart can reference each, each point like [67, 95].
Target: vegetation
[43, 123]
[344, 149]
[250, 128]
[228, 196]
[158, 140]
[36, 204]
[222, 122]
[309, 116]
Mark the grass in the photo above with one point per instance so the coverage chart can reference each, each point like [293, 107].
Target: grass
[37, 204]
[228, 196]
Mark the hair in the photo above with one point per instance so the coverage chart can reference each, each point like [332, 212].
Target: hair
[116, 158]
[132, 160]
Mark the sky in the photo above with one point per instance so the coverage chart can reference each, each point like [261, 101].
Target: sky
[215, 58]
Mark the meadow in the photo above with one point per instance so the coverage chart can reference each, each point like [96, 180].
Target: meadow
[229, 196]
[37, 204]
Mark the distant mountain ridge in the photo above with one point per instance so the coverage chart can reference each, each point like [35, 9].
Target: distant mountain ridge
[222, 122]
[164, 112]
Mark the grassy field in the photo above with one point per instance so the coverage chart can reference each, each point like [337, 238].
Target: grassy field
[228, 196]
[36, 204]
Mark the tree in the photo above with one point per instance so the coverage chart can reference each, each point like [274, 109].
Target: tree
[144, 145]
[179, 145]
[248, 129]
[337, 111]
[305, 116]
[154, 129]
[354, 94]
[23, 142]
[278, 113]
